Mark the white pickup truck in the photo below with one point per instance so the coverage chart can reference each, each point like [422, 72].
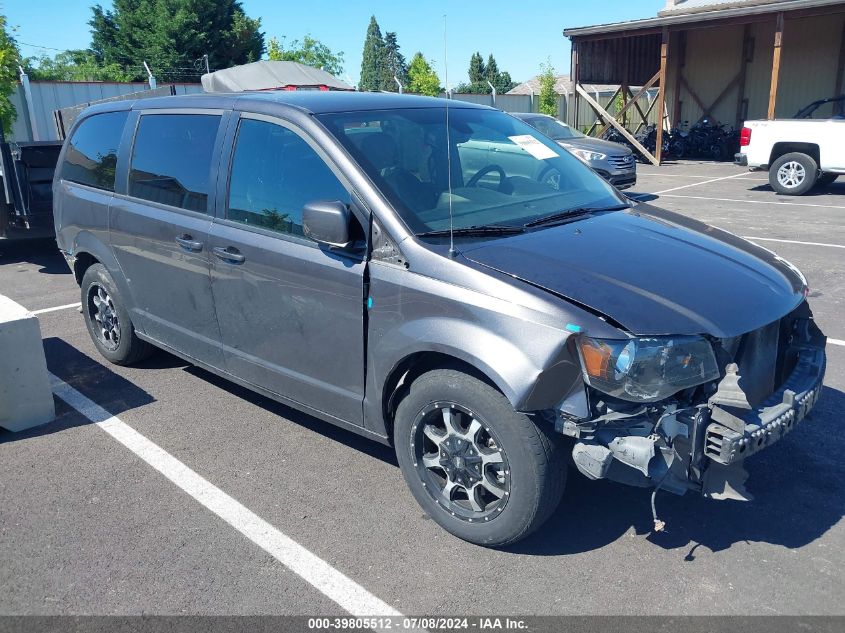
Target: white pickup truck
[798, 153]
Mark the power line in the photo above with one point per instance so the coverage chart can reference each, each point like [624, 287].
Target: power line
[49, 48]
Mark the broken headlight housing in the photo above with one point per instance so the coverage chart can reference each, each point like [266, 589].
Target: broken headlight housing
[647, 369]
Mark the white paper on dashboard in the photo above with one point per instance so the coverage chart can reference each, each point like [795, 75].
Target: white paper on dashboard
[534, 147]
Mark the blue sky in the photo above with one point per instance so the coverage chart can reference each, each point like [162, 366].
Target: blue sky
[521, 35]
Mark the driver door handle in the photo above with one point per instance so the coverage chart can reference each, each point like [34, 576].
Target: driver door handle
[188, 243]
[229, 254]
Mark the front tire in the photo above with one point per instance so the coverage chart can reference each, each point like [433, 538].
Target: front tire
[108, 319]
[486, 473]
[793, 174]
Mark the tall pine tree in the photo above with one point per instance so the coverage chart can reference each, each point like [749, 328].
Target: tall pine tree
[476, 68]
[394, 64]
[491, 70]
[172, 35]
[372, 62]
[480, 73]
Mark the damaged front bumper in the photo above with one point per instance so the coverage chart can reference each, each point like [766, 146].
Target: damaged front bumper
[734, 435]
[699, 444]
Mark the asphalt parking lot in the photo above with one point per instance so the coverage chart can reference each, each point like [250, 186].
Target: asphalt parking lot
[88, 527]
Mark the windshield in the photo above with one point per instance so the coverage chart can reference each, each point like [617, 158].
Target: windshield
[503, 171]
[553, 128]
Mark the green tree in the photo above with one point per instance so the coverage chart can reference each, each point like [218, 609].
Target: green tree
[480, 73]
[394, 64]
[372, 61]
[173, 35]
[421, 77]
[548, 95]
[491, 70]
[75, 65]
[309, 51]
[9, 59]
[477, 70]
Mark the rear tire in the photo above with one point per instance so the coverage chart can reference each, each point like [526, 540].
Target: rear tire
[793, 174]
[108, 319]
[486, 473]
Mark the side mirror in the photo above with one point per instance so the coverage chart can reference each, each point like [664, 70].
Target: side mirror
[327, 222]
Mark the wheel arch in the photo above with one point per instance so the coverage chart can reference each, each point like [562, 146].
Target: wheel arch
[530, 381]
[89, 249]
[82, 262]
[786, 147]
[414, 365]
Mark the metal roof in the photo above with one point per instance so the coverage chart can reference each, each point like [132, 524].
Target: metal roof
[267, 75]
[563, 86]
[715, 12]
[686, 6]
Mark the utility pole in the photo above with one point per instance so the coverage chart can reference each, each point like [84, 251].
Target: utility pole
[493, 88]
[399, 83]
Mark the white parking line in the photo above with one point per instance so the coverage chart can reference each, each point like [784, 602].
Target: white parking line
[703, 182]
[53, 309]
[657, 174]
[836, 341]
[774, 202]
[661, 175]
[772, 239]
[351, 596]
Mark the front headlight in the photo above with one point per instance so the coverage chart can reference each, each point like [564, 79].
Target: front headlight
[647, 369]
[586, 155]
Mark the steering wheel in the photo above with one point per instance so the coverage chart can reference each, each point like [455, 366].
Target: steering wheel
[550, 176]
[473, 182]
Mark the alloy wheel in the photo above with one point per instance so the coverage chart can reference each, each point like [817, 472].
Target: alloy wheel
[104, 316]
[462, 464]
[791, 174]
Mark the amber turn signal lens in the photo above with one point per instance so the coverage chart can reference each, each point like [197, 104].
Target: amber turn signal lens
[596, 357]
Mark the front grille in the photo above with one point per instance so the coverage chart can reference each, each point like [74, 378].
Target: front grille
[621, 162]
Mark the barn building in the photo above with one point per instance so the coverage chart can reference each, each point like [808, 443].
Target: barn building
[727, 60]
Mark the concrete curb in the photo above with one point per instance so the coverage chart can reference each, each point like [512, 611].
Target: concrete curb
[26, 399]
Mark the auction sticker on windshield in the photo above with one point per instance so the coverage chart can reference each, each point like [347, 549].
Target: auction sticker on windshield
[533, 146]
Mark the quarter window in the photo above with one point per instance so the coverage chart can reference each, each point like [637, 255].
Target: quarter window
[274, 174]
[171, 159]
[91, 154]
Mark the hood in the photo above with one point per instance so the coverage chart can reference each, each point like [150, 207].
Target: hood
[652, 272]
[596, 145]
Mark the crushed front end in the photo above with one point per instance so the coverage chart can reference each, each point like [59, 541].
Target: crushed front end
[727, 399]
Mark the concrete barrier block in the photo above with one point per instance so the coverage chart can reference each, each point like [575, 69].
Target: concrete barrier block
[26, 399]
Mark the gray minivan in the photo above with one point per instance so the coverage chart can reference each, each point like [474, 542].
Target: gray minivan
[363, 258]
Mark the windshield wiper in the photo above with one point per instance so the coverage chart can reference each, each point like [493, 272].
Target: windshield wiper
[571, 214]
[485, 229]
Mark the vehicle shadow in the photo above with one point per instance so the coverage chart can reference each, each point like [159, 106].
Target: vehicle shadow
[798, 484]
[836, 188]
[330, 431]
[41, 252]
[112, 392]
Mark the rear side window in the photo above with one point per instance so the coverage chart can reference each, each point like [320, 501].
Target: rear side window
[91, 154]
[274, 174]
[171, 159]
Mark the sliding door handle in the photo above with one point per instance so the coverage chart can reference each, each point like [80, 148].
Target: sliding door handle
[229, 254]
[189, 243]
